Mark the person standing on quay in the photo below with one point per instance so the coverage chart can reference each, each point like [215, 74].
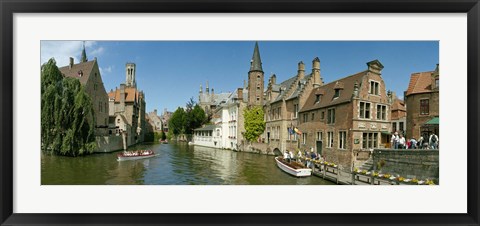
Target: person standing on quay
[433, 141]
[401, 142]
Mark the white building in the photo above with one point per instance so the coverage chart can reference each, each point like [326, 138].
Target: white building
[228, 121]
[208, 136]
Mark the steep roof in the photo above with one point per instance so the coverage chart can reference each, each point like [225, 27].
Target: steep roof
[84, 69]
[398, 105]
[256, 64]
[327, 92]
[299, 88]
[131, 94]
[283, 88]
[420, 83]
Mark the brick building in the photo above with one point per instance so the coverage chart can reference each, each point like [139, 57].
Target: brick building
[422, 98]
[347, 117]
[129, 102]
[282, 104]
[88, 73]
[399, 114]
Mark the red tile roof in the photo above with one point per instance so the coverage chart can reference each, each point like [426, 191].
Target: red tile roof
[131, 94]
[398, 105]
[420, 83]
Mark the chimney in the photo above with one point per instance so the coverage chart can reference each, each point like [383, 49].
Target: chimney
[207, 89]
[240, 93]
[71, 62]
[273, 78]
[155, 111]
[213, 93]
[122, 97]
[316, 72]
[244, 84]
[301, 70]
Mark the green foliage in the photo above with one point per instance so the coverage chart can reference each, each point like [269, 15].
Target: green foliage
[185, 121]
[163, 136]
[67, 117]
[177, 122]
[195, 119]
[254, 123]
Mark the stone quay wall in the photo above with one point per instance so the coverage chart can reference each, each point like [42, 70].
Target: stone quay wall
[419, 163]
[109, 143]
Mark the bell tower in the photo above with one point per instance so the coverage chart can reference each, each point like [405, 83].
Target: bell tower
[255, 79]
[130, 71]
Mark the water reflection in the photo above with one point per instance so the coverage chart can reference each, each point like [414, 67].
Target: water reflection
[176, 164]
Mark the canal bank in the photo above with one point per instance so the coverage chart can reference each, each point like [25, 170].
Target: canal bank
[176, 164]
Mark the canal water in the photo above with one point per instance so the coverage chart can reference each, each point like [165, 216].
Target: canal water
[175, 164]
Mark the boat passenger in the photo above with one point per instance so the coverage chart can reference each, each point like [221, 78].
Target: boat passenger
[286, 156]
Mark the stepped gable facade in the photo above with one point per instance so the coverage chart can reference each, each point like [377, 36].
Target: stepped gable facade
[347, 117]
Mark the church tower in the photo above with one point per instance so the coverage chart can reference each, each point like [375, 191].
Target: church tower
[255, 79]
[84, 54]
[130, 70]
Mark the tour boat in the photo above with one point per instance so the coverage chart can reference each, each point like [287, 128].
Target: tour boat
[164, 141]
[293, 168]
[134, 155]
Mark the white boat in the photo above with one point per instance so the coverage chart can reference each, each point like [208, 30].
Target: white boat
[135, 155]
[293, 168]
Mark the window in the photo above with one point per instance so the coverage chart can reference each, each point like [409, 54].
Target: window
[258, 87]
[295, 110]
[437, 83]
[304, 136]
[370, 140]
[279, 111]
[258, 98]
[305, 117]
[381, 112]
[330, 139]
[401, 126]
[337, 93]
[322, 115]
[100, 106]
[394, 126]
[313, 116]
[331, 116]
[317, 98]
[342, 139]
[374, 87]
[319, 136]
[278, 132]
[364, 110]
[424, 107]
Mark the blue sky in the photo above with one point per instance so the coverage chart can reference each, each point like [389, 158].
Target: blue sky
[170, 72]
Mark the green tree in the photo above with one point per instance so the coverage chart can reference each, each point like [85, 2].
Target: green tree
[177, 122]
[254, 123]
[67, 117]
[195, 119]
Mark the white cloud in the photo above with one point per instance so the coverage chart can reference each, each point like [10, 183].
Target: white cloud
[96, 52]
[63, 50]
[106, 70]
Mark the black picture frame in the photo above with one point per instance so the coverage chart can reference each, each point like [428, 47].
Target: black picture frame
[10, 7]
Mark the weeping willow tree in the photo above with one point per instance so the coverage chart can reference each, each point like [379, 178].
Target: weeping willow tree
[67, 117]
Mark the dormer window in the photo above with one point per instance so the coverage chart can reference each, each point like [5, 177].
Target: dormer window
[317, 98]
[437, 83]
[337, 93]
[80, 73]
